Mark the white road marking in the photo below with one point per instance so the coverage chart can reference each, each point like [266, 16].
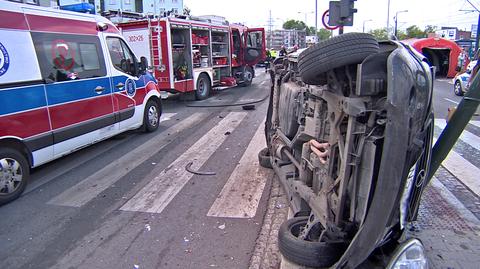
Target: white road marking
[241, 194]
[161, 190]
[450, 100]
[83, 192]
[463, 170]
[167, 116]
[466, 136]
[475, 122]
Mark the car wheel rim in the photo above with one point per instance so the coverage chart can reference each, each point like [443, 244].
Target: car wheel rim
[11, 175]
[152, 115]
[457, 88]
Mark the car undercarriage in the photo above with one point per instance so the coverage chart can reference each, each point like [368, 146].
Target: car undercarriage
[349, 135]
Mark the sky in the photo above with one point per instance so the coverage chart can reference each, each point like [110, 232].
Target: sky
[255, 13]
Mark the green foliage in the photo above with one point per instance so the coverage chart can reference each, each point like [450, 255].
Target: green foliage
[430, 29]
[415, 32]
[310, 30]
[379, 34]
[294, 24]
[324, 34]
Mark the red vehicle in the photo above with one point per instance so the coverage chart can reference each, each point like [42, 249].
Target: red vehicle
[195, 54]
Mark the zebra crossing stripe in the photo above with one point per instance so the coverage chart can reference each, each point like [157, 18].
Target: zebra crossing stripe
[466, 136]
[83, 192]
[162, 188]
[241, 194]
[475, 122]
[167, 116]
[463, 170]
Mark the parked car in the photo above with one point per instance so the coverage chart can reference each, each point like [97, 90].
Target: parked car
[460, 81]
[67, 80]
[349, 131]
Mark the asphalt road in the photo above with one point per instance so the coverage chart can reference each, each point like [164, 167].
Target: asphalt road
[128, 202]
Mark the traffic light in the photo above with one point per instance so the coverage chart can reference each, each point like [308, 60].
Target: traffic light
[341, 13]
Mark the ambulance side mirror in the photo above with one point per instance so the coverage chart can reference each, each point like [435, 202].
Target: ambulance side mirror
[143, 64]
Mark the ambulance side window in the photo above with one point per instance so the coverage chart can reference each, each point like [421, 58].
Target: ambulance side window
[69, 57]
[122, 58]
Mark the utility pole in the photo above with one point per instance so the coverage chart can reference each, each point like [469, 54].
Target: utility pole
[388, 17]
[396, 20]
[270, 32]
[316, 17]
[477, 39]
[363, 29]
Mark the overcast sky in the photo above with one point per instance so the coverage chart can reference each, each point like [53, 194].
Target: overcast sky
[420, 12]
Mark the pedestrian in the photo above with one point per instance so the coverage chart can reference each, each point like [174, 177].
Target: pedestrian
[283, 52]
[461, 61]
[268, 60]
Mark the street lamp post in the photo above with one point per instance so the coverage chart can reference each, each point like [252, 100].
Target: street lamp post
[396, 19]
[363, 29]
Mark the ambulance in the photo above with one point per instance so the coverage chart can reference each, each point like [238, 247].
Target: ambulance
[67, 80]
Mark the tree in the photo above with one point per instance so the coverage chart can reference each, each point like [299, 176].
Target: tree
[379, 34]
[430, 29]
[324, 34]
[401, 35]
[415, 32]
[294, 24]
[310, 30]
[187, 11]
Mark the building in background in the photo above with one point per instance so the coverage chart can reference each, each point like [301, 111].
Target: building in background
[288, 38]
[139, 6]
[453, 33]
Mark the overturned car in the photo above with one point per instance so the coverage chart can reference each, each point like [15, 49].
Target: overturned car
[349, 132]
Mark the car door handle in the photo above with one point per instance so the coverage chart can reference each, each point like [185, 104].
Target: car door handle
[99, 89]
[120, 85]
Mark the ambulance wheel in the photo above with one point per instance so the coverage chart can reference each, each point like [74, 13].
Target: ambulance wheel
[14, 174]
[151, 117]
[203, 87]
[247, 76]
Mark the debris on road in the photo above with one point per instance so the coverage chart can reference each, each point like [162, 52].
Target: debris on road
[188, 167]
[147, 227]
[221, 227]
[248, 107]
[136, 266]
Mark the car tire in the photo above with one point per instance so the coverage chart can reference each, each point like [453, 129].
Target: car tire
[342, 50]
[203, 87]
[303, 252]
[264, 158]
[247, 76]
[151, 116]
[457, 88]
[14, 174]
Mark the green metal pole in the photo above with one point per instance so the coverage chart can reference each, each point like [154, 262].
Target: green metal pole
[456, 125]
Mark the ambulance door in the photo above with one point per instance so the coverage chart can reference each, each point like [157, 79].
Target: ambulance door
[255, 50]
[78, 89]
[129, 88]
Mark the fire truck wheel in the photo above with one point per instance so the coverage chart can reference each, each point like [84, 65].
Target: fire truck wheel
[338, 51]
[203, 87]
[151, 117]
[247, 76]
[14, 174]
[306, 252]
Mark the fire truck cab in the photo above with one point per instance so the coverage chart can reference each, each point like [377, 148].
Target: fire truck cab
[196, 54]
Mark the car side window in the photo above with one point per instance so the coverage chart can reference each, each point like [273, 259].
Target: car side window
[69, 57]
[122, 58]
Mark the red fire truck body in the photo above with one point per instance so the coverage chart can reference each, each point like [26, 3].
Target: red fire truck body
[196, 54]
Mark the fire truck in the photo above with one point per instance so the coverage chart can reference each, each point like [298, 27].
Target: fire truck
[196, 54]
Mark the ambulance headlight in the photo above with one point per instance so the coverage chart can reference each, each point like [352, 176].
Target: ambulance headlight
[409, 255]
